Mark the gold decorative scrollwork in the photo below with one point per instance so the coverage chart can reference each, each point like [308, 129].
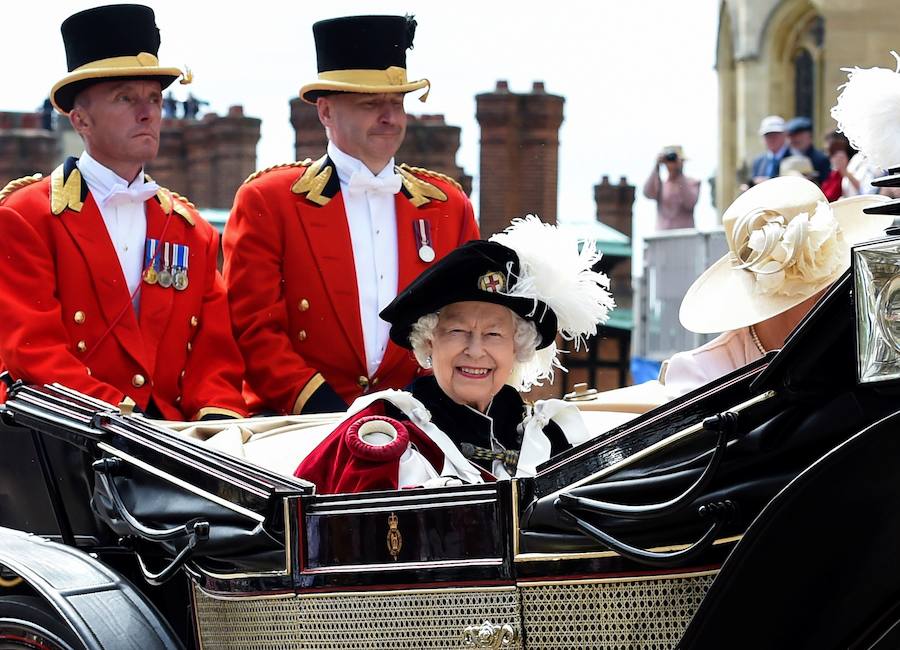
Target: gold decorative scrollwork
[488, 635]
[394, 538]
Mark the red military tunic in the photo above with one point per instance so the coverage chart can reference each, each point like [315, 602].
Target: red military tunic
[292, 282]
[68, 316]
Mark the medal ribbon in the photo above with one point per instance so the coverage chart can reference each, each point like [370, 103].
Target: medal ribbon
[130, 303]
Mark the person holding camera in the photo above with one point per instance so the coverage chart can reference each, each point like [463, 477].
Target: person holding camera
[677, 195]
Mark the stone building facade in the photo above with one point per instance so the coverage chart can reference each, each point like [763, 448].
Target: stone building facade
[519, 155]
[785, 57]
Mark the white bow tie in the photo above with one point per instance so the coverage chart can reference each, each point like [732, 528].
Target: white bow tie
[121, 194]
[361, 182]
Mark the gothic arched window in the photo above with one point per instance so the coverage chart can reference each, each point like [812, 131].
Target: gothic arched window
[804, 83]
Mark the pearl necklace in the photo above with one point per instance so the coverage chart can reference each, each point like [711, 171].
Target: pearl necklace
[756, 341]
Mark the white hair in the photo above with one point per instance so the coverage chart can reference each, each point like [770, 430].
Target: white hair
[532, 365]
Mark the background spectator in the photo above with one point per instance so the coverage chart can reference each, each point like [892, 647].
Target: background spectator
[799, 131]
[766, 165]
[676, 197]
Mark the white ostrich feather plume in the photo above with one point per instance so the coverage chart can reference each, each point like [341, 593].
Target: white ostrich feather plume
[553, 270]
[868, 113]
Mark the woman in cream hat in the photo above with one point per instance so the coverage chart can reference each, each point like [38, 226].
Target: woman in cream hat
[786, 246]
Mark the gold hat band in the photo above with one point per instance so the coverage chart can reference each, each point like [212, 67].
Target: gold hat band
[140, 60]
[392, 76]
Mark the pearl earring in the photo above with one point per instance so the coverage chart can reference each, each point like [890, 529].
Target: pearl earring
[428, 361]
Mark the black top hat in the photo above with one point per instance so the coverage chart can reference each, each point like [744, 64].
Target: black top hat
[362, 54]
[483, 271]
[111, 42]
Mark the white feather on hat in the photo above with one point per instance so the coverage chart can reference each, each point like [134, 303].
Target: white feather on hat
[868, 113]
[554, 270]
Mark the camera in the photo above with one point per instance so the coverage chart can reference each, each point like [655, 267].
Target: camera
[670, 157]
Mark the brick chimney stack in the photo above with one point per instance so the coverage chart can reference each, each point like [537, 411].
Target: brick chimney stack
[614, 204]
[26, 147]
[309, 134]
[519, 155]
[207, 160]
[430, 142]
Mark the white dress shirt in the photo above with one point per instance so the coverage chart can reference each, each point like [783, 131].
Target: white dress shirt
[125, 218]
[372, 218]
[688, 370]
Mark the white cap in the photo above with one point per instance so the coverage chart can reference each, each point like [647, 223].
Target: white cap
[771, 124]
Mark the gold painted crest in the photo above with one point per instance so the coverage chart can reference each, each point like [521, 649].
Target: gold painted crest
[394, 538]
[492, 282]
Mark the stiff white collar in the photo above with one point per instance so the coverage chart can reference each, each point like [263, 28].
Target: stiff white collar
[347, 165]
[101, 179]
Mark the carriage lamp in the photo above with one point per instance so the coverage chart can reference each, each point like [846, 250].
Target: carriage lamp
[876, 277]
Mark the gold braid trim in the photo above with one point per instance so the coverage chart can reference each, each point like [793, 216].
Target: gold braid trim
[18, 184]
[298, 163]
[433, 174]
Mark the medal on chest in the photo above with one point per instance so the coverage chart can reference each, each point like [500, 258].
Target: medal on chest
[165, 275]
[422, 228]
[180, 276]
[151, 261]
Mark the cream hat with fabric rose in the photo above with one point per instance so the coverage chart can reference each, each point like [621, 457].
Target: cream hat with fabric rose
[785, 244]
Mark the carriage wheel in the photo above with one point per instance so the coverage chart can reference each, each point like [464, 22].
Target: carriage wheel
[28, 622]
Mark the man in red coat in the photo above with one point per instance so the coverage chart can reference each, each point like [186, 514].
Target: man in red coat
[314, 250]
[108, 282]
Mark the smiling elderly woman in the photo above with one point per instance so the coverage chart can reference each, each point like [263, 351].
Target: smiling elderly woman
[484, 320]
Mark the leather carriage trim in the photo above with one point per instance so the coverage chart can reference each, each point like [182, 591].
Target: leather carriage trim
[128, 458]
[514, 500]
[225, 596]
[296, 163]
[596, 581]
[409, 506]
[400, 566]
[241, 575]
[662, 444]
[18, 184]
[595, 555]
[419, 192]
[343, 593]
[628, 427]
[66, 190]
[431, 499]
[433, 174]
[315, 182]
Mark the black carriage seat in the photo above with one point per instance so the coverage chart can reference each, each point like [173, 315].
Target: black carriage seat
[819, 567]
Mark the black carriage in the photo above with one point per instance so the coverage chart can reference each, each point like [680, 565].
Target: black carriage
[757, 511]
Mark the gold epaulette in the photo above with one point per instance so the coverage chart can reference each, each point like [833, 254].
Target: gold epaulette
[18, 184]
[166, 198]
[297, 163]
[433, 174]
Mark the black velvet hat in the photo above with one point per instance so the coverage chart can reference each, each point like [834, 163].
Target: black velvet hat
[111, 42]
[482, 271]
[363, 54]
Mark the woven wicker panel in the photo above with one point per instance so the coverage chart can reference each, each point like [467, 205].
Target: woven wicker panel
[626, 615]
[423, 620]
